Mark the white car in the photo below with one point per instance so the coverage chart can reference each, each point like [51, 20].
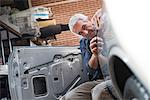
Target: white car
[128, 47]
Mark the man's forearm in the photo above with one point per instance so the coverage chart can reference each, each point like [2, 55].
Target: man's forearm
[93, 62]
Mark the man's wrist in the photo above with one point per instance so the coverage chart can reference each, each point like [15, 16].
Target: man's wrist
[95, 54]
[93, 61]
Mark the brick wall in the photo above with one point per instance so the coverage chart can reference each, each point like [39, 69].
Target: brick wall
[64, 11]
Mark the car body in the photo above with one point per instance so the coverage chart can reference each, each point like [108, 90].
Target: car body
[128, 49]
[44, 72]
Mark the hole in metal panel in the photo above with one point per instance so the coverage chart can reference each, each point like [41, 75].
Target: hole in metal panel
[55, 78]
[39, 85]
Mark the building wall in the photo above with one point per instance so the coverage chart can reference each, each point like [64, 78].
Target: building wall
[63, 11]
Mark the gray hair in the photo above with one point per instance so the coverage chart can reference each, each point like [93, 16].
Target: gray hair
[73, 20]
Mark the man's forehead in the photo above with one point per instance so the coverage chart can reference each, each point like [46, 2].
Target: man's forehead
[78, 24]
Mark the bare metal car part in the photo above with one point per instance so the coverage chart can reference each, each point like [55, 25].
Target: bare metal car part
[44, 72]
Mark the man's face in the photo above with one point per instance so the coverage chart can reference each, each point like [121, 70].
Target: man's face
[84, 28]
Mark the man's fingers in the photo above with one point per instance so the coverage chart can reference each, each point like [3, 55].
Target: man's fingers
[96, 50]
[100, 44]
[95, 44]
[92, 45]
[96, 39]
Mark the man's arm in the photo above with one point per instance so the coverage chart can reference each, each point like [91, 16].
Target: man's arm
[93, 62]
[96, 46]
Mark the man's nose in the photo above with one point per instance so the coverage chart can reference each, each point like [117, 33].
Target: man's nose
[85, 32]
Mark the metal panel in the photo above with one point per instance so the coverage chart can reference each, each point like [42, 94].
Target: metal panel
[58, 67]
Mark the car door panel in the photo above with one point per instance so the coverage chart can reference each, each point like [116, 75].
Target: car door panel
[43, 72]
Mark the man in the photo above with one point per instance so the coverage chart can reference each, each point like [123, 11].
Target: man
[91, 45]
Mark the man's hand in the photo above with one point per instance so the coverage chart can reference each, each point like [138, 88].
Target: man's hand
[96, 45]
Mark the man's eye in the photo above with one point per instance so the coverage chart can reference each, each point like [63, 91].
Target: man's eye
[80, 33]
[84, 27]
